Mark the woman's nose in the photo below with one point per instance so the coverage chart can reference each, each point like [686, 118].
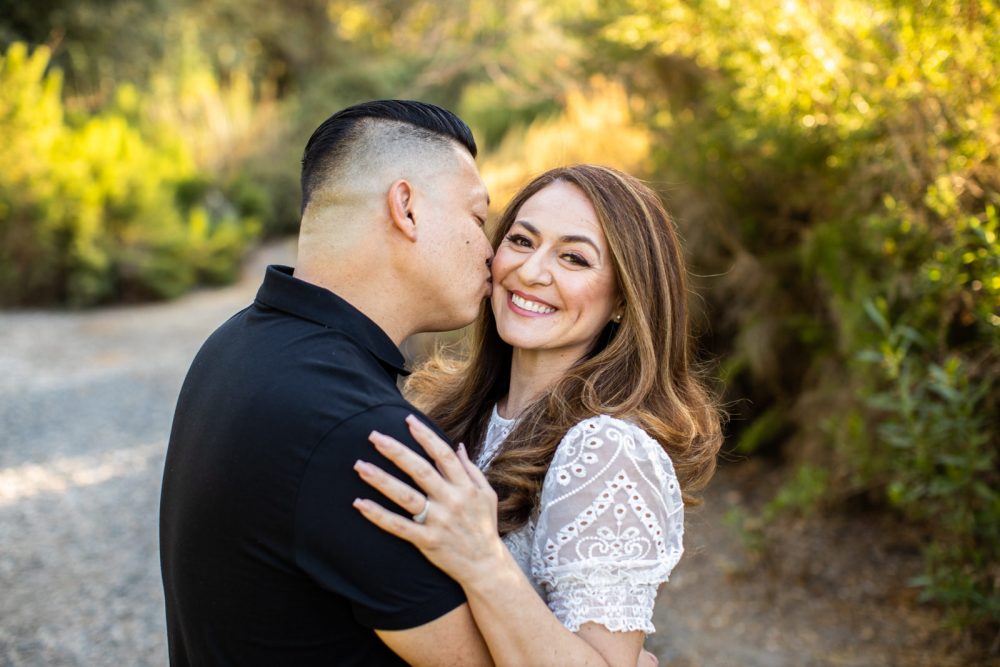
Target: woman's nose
[535, 269]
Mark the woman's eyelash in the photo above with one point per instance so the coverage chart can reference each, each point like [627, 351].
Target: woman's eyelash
[519, 240]
[524, 242]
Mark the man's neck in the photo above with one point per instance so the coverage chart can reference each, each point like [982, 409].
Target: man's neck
[366, 293]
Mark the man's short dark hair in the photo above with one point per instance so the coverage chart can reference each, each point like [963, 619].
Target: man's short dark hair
[330, 142]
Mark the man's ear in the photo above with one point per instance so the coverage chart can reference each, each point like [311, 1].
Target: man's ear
[400, 200]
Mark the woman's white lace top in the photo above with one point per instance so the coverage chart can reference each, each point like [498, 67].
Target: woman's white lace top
[610, 524]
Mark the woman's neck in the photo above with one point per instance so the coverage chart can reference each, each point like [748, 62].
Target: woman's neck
[531, 374]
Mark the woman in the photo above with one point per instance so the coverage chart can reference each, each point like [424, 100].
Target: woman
[581, 406]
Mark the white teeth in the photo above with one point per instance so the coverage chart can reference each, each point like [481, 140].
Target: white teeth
[530, 305]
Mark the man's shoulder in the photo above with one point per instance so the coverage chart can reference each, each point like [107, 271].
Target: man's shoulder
[283, 370]
[384, 416]
[288, 345]
[347, 436]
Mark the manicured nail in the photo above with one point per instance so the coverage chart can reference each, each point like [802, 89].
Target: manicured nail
[383, 443]
[363, 505]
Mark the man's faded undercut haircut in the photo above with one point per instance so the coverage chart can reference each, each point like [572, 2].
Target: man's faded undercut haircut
[381, 127]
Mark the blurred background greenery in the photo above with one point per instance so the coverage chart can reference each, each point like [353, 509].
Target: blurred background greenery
[833, 165]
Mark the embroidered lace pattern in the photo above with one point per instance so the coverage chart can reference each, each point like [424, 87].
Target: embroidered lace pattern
[610, 526]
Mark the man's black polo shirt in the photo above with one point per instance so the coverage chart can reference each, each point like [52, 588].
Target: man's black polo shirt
[265, 561]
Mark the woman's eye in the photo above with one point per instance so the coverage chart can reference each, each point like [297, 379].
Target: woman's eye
[518, 240]
[578, 260]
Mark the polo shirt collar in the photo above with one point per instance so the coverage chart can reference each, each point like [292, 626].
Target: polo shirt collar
[283, 291]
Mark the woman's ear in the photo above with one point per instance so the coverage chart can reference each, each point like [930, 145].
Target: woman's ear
[619, 312]
[400, 201]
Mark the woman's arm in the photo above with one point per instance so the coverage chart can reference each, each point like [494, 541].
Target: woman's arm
[460, 536]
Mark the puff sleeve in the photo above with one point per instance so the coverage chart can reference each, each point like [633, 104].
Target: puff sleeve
[610, 528]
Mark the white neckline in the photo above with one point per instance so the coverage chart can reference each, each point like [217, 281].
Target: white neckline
[501, 421]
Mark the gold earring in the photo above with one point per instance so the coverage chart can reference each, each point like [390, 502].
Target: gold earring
[618, 318]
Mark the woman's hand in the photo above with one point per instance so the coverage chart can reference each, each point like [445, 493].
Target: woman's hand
[459, 531]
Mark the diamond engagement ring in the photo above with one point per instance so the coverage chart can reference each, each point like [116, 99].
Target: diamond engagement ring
[421, 516]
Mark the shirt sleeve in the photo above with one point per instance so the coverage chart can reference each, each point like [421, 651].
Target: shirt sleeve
[611, 526]
[388, 583]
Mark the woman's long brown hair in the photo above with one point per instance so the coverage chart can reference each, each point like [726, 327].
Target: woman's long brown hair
[640, 371]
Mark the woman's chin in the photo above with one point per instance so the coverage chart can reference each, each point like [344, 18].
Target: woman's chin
[520, 341]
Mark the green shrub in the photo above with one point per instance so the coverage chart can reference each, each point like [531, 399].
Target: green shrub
[837, 174]
[103, 207]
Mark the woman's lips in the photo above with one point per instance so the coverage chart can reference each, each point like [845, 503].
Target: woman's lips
[522, 305]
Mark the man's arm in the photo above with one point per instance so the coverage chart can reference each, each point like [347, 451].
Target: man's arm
[414, 607]
[452, 639]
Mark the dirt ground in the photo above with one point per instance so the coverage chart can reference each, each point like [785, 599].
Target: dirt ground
[830, 589]
[86, 401]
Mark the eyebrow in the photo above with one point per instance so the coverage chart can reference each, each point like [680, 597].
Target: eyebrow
[572, 238]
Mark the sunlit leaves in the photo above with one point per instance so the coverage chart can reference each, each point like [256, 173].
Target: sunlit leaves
[89, 209]
[849, 151]
[597, 124]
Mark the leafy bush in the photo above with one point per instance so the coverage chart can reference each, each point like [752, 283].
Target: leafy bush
[596, 125]
[99, 207]
[838, 179]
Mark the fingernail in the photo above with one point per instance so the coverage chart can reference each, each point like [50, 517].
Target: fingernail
[382, 442]
[360, 504]
[361, 466]
[461, 447]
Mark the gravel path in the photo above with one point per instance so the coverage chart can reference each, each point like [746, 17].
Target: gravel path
[86, 401]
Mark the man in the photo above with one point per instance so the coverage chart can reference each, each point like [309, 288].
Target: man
[264, 559]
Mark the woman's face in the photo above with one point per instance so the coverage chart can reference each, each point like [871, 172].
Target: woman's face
[553, 278]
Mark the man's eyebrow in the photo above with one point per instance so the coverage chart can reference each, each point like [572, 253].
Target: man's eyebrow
[572, 238]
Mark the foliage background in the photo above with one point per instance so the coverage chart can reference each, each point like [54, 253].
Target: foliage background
[833, 166]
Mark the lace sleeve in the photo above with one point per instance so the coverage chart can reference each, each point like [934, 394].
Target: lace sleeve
[610, 527]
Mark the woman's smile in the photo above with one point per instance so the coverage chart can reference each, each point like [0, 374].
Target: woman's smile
[529, 306]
